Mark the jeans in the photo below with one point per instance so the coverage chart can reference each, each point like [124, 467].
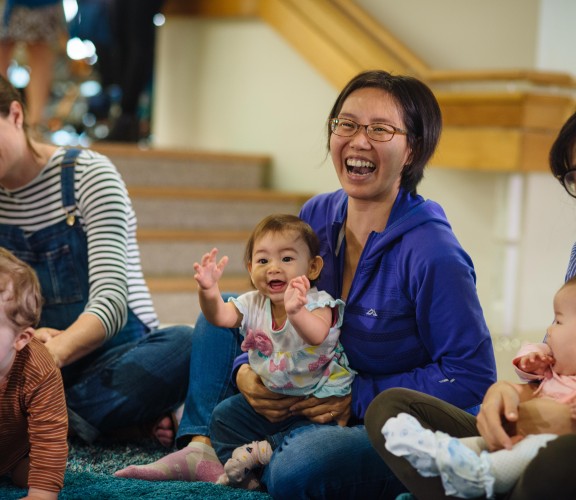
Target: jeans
[329, 462]
[131, 384]
[213, 352]
[234, 423]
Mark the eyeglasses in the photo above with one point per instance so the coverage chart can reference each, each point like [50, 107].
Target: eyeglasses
[381, 132]
[569, 182]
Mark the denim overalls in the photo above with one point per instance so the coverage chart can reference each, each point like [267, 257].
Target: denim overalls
[133, 378]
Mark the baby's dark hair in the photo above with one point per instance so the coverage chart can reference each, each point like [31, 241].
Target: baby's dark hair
[20, 294]
[280, 223]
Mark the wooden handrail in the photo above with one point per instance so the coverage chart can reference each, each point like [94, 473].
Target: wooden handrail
[501, 120]
[343, 27]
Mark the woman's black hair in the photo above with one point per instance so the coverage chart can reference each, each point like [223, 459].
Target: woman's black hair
[561, 157]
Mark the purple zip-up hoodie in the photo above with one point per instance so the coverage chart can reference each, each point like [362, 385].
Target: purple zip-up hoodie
[412, 316]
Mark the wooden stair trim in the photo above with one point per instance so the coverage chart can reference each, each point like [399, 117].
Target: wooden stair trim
[132, 150]
[383, 36]
[187, 235]
[211, 8]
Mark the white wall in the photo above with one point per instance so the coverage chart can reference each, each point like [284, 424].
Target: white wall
[237, 86]
[463, 34]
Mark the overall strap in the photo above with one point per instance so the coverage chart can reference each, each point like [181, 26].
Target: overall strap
[67, 184]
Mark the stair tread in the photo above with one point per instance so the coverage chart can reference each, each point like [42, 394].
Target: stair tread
[200, 235]
[131, 150]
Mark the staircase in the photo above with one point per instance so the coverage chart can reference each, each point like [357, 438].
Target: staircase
[188, 202]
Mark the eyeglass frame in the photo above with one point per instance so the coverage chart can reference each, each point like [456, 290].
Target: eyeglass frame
[563, 181]
[395, 130]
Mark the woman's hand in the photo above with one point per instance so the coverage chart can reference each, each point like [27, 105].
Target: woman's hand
[66, 346]
[46, 336]
[500, 406]
[500, 412]
[324, 410]
[271, 405]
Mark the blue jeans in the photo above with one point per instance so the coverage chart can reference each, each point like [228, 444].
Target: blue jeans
[129, 385]
[234, 423]
[213, 353]
[329, 462]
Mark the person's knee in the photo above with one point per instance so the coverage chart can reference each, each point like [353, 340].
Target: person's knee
[387, 404]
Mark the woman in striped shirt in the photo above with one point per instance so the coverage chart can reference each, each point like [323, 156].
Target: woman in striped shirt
[67, 213]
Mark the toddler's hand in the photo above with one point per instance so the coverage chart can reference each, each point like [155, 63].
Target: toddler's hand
[208, 272]
[295, 294]
[535, 363]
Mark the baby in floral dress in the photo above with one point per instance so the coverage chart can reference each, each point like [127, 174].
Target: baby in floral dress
[290, 329]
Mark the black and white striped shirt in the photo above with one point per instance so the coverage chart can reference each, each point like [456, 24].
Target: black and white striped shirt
[105, 212]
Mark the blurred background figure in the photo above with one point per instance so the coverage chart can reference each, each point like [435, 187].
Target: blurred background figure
[134, 39]
[123, 33]
[39, 26]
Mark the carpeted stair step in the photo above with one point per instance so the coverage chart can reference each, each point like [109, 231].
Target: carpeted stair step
[188, 202]
[176, 298]
[200, 169]
[200, 209]
[172, 252]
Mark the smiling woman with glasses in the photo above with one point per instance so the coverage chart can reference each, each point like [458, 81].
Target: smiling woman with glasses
[506, 416]
[412, 317]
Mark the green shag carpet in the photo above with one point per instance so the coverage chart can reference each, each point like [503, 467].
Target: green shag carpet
[89, 477]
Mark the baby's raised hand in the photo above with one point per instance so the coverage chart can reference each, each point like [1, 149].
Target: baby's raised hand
[535, 363]
[295, 294]
[208, 272]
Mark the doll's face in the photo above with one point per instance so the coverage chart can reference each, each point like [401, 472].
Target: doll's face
[562, 333]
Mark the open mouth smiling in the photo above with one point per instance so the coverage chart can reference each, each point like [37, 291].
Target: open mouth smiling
[276, 285]
[359, 167]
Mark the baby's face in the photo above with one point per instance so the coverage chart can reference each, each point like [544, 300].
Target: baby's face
[8, 339]
[277, 258]
[562, 333]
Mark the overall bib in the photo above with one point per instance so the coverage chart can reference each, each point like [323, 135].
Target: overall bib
[135, 376]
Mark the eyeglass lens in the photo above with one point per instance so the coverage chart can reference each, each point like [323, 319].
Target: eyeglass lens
[570, 182]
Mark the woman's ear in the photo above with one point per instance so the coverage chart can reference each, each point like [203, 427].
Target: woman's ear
[23, 338]
[316, 265]
[16, 114]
